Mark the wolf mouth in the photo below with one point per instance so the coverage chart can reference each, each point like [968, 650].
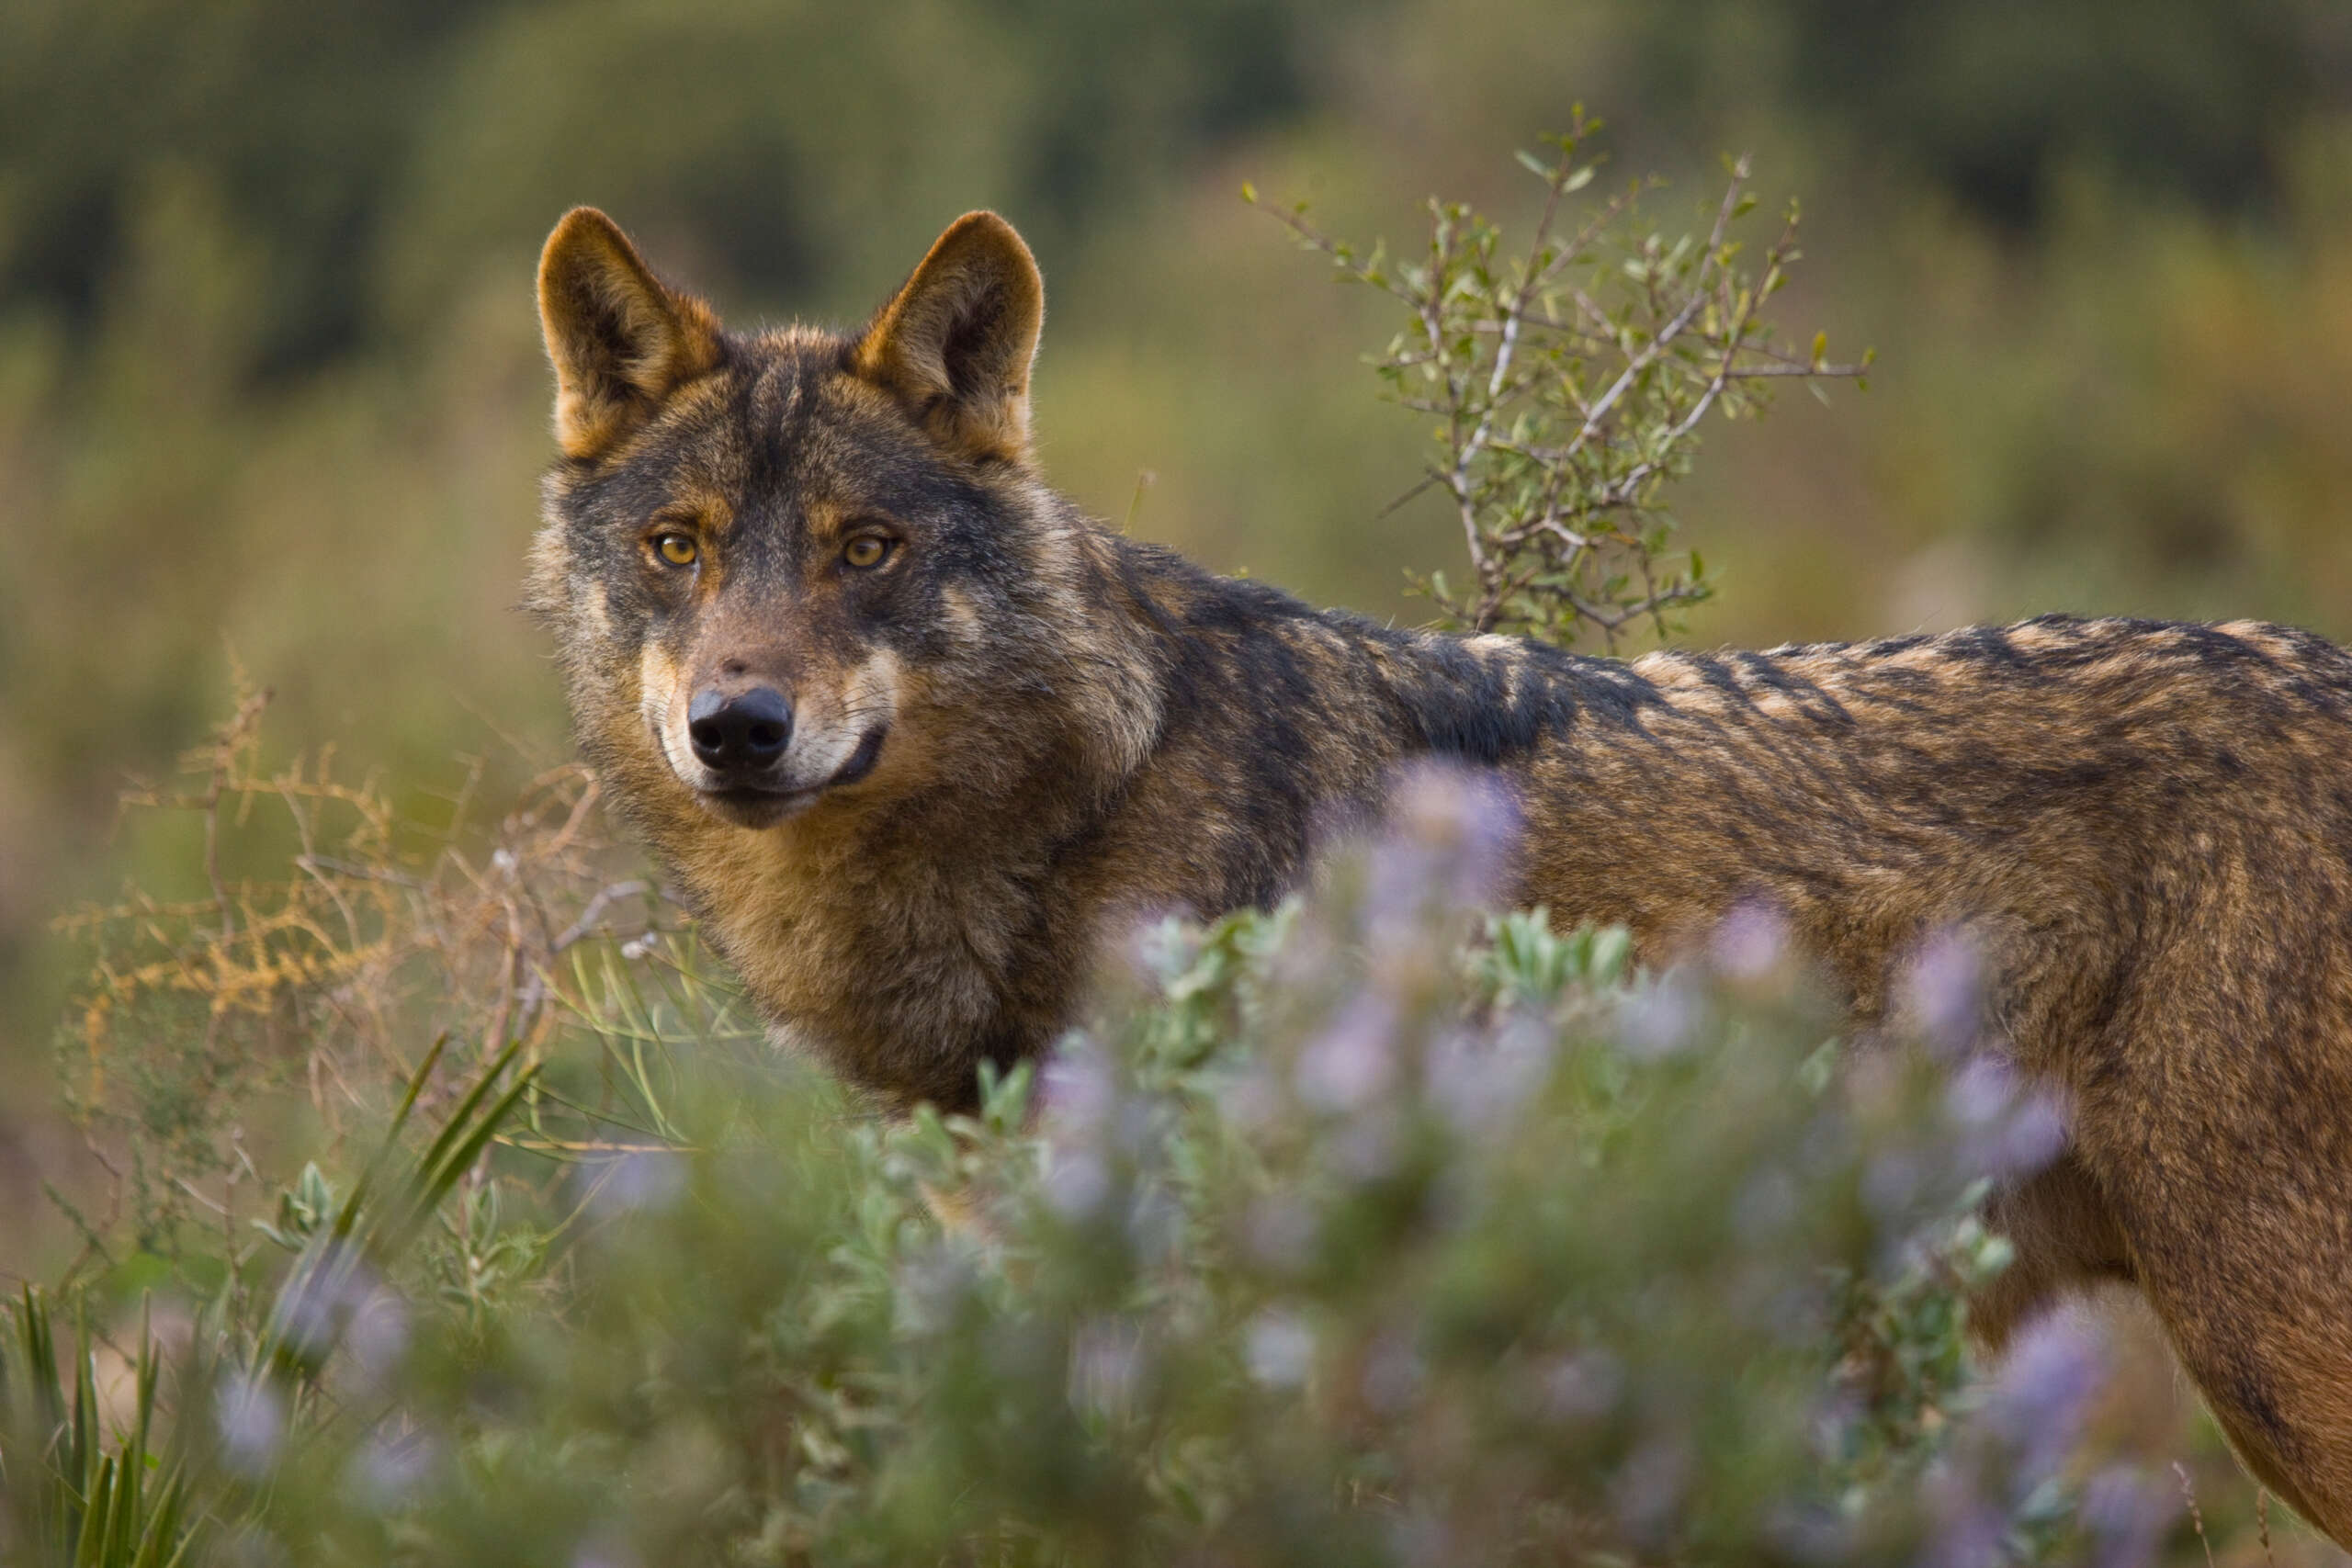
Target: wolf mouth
[861, 762]
[758, 806]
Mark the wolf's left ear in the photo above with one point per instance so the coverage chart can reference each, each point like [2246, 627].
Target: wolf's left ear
[956, 343]
[620, 340]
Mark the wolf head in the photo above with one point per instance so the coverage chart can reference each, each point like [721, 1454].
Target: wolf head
[797, 573]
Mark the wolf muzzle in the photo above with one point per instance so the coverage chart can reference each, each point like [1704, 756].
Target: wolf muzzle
[738, 735]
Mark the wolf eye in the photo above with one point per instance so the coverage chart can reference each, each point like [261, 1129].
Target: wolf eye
[866, 551]
[678, 549]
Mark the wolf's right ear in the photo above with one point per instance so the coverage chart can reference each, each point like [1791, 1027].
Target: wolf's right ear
[619, 339]
[956, 343]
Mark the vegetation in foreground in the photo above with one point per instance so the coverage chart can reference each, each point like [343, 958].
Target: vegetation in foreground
[1377, 1228]
[1368, 1230]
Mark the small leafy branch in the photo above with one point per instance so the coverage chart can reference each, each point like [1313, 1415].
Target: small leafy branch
[1569, 380]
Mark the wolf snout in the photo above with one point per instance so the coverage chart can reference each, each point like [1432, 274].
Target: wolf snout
[739, 732]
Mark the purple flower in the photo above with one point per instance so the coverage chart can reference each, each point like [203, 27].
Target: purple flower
[1351, 1062]
[1478, 1082]
[2127, 1513]
[1082, 1087]
[1446, 845]
[251, 1419]
[1967, 1526]
[1660, 1020]
[1280, 1349]
[1106, 1366]
[1943, 990]
[2011, 1128]
[1890, 1184]
[386, 1473]
[1160, 945]
[320, 1308]
[640, 1179]
[1077, 1182]
[2041, 1393]
[377, 1334]
[1750, 943]
[2029, 1138]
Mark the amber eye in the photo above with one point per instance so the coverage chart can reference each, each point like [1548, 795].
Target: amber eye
[678, 549]
[866, 551]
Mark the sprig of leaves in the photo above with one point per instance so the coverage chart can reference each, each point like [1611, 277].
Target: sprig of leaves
[1569, 380]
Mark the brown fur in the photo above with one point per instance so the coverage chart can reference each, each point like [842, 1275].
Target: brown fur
[1022, 731]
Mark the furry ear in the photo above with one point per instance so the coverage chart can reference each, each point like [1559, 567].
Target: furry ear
[956, 343]
[620, 340]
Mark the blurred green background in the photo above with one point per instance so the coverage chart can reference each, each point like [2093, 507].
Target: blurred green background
[271, 395]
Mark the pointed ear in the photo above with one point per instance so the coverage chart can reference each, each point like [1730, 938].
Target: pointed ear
[620, 341]
[956, 343]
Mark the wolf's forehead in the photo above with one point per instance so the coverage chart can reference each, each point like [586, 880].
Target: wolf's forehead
[808, 426]
[780, 394]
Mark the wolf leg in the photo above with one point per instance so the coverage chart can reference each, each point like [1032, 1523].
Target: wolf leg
[2064, 1235]
[2227, 1162]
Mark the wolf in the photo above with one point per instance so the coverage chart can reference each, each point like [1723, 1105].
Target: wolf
[917, 737]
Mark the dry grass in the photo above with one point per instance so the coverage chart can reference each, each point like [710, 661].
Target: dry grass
[204, 1021]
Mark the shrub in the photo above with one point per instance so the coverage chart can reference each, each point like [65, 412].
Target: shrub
[1569, 380]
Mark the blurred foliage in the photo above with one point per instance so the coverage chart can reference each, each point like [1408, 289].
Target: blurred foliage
[752, 128]
[1368, 1230]
[1986, 100]
[396, 143]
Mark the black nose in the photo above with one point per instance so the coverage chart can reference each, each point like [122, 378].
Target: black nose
[741, 731]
